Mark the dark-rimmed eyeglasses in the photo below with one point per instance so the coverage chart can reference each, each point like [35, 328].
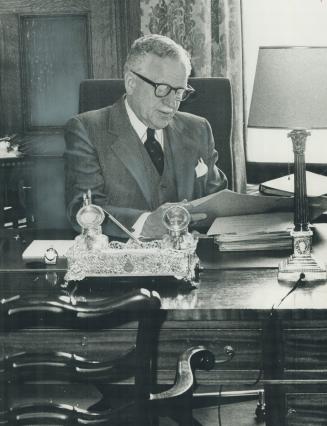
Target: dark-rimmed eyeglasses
[161, 89]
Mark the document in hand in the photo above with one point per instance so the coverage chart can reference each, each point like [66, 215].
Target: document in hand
[229, 203]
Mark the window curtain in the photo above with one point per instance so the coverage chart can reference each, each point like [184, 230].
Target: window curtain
[227, 61]
[211, 31]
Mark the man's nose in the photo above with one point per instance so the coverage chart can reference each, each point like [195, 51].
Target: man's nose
[170, 100]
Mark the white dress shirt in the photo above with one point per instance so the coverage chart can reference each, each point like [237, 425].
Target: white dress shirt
[141, 128]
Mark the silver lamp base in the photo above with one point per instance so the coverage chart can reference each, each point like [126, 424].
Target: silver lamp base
[302, 261]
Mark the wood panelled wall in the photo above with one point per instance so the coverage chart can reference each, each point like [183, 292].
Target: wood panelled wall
[46, 48]
[111, 24]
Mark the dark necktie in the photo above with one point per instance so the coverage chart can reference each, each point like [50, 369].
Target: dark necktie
[154, 150]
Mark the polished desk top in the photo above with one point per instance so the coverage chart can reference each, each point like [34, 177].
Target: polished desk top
[244, 281]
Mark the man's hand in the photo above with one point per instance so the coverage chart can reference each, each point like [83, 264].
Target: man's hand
[197, 219]
[153, 226]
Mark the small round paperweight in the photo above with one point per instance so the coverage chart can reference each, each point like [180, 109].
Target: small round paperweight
[50, 256]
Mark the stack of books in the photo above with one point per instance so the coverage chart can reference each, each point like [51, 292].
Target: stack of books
[264, 231]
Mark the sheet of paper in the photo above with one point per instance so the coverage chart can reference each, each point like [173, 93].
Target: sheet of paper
[316, 184]
[229, 203]
[35, 251]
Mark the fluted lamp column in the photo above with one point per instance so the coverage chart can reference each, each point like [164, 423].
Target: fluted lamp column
[290, 92]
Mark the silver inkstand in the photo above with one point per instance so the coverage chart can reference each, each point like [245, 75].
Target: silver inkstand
[93, 255]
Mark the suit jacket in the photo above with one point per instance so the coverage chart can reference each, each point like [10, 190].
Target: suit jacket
[101, 155]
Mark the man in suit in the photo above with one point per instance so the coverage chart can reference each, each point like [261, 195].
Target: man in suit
[141, 153]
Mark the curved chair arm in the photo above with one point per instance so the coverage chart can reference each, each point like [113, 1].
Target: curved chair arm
[61, 365]
[189, 360]
[141, 299]
[65, 414]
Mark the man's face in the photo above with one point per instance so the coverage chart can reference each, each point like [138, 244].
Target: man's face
[155, 112]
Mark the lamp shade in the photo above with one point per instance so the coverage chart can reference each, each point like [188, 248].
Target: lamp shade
[290, 88]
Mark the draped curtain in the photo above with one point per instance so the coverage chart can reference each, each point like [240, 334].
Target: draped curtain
[211, 31]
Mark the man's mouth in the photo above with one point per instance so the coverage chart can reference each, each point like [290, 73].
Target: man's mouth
[167, 114]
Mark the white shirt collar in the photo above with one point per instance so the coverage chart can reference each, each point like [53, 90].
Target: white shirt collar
[141, 128]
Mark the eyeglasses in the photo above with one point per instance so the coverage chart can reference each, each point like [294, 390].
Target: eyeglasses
[161, 89]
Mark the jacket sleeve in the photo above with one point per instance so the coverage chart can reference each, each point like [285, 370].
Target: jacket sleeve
[216, 178]
[83, 172]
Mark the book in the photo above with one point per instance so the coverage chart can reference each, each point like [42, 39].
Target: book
[265, 231]
[284, 186]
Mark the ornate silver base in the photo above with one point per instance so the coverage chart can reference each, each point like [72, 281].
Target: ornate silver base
[151, 259]
[301, 261]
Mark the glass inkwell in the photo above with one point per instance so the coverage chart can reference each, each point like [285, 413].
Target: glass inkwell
[176, 219]
[90, 218]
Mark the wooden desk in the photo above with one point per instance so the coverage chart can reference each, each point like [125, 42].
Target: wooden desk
[284, 350]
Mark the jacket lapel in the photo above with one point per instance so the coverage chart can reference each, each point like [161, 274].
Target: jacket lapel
[125, 145]
[185, 155]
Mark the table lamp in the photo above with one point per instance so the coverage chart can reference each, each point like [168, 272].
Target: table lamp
[290, 92]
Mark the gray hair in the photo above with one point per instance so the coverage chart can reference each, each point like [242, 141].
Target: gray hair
[159, 45]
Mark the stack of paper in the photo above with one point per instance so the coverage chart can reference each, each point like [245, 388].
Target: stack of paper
[265, 231]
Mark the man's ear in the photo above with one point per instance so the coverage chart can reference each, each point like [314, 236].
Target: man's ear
[129, 82]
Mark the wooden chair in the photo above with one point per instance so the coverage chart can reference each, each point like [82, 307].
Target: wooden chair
[44, 383]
